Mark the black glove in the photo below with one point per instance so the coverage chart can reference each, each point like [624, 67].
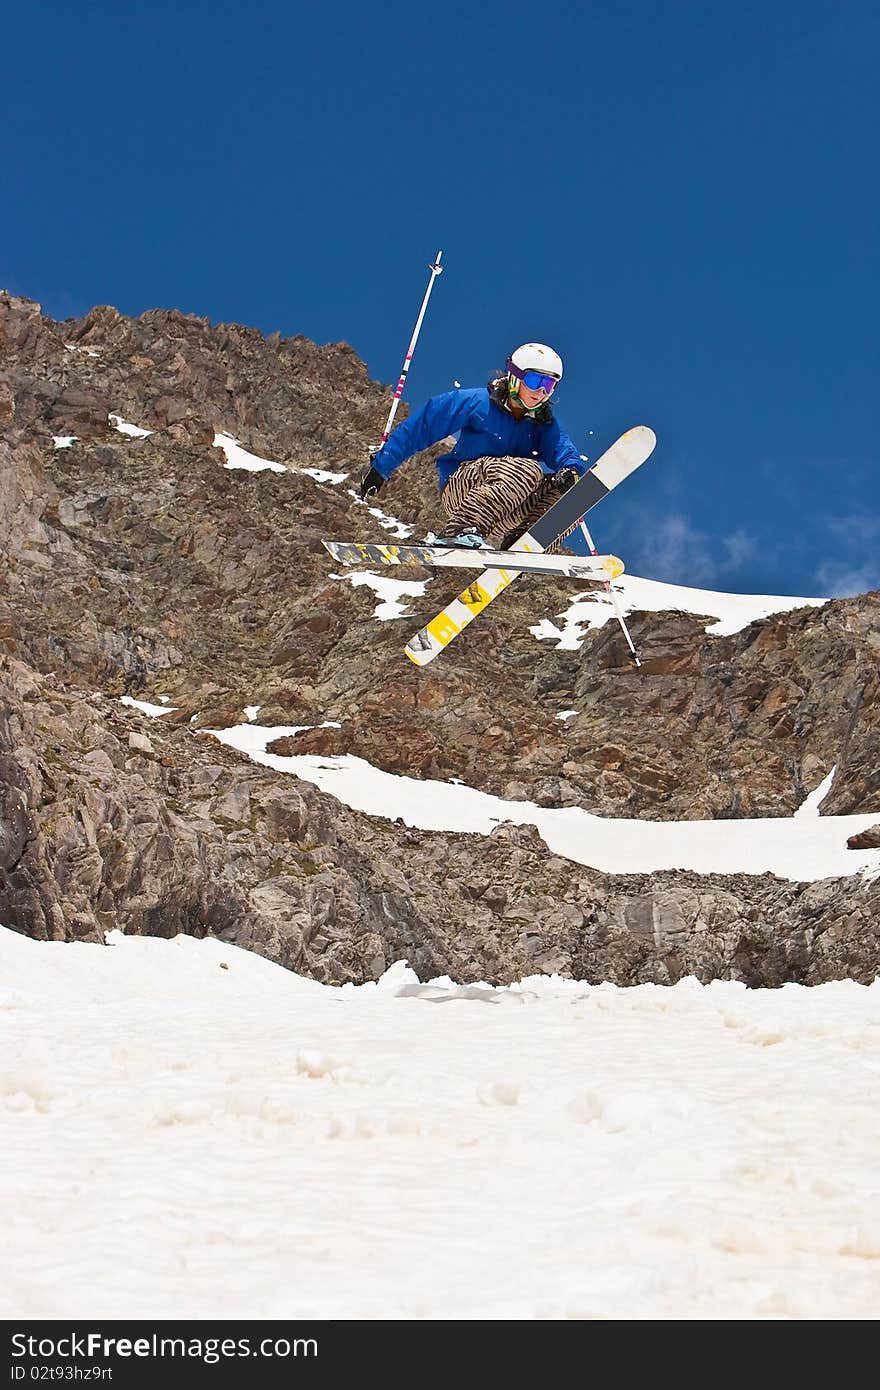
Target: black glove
[371, 483]
[566, 478]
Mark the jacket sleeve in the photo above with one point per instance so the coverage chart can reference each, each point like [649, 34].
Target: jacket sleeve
[559, 451]
[438, 417]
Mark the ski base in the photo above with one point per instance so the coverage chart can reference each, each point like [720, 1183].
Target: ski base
[462, 557]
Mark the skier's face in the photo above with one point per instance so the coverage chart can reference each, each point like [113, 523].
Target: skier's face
[531, 399]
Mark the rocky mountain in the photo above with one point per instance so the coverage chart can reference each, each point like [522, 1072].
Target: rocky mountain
[132, 565]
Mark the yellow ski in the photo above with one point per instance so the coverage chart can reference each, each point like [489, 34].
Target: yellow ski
[625, 455]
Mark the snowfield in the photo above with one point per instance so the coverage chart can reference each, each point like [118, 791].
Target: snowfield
[189, 1131]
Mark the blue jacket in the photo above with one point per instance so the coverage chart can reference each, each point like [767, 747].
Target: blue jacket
[483, 428]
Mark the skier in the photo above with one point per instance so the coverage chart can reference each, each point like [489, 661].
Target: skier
[511, 461]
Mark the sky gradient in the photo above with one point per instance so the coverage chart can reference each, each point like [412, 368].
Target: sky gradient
[682, 199]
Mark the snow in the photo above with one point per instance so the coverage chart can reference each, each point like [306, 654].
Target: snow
[810, 807]
[154, 711]
[188, 1130]
[802, 848]
[237, 457]
[322, 475]
[732, 612]
[64, 441]
[390, 523]
[124, 427]
[390, 591]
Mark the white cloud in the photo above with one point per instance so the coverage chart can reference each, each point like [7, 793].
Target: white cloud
[672, 549]
[740, 548]
[837, 579]
[857, 528]
[858, 570]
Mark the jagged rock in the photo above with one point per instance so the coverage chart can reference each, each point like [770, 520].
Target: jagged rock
[7, 404]
[195, 838]
[13, 818]
[144, 566]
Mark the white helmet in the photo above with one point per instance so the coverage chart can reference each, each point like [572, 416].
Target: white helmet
[538, 358]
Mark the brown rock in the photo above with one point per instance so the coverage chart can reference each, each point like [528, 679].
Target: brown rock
[866, 839]
[7, 404]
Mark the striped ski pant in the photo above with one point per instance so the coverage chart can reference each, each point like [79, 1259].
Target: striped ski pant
[498, 496]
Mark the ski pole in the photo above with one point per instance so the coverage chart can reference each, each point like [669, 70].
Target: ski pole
[617, 613]
[436, 269]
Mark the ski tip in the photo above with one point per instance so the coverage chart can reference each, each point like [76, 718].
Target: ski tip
[419, 658]
[420, 649]
[340, 552]
[645, 433]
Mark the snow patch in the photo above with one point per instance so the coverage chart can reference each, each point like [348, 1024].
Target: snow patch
[390, 591]
[801, 849]
[124, 427]
[321, 475]
[731, 612]
[237, 457]
[154, 711]
[810, 807]
[391, 523]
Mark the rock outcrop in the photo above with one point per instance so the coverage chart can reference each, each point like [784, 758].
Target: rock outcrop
[142, 566]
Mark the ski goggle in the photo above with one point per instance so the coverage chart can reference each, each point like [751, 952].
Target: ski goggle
[535, 381]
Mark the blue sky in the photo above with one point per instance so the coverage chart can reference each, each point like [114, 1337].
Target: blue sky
[681, 197]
